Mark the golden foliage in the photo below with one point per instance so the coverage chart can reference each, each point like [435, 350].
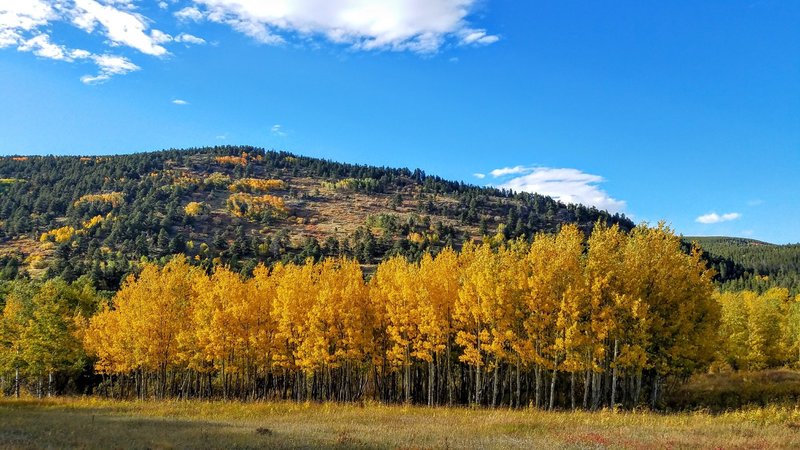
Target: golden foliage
[59, 235]
[256, 185]
[193, 209]
[254, 206]
[217, 179]
[632, 302]
[113, 198]
[93, 222]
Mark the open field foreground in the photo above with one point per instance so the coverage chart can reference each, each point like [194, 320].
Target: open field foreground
[94, 423]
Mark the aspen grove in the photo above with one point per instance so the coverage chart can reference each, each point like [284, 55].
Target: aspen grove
[563, 321]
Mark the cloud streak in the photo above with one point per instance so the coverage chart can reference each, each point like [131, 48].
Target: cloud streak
[277, 130]
[713, 217]
[109, 66]
[564, 184]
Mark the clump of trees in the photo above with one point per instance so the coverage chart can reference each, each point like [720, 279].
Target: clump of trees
[564, 321]
[759, 331]
[41, 335]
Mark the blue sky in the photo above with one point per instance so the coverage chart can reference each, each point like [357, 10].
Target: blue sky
[683, 111]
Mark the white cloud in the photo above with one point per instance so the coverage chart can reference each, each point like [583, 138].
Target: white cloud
[109, 66]
[277, 130]
[717, 218]
[510, 171]
[416, 25]
[479, 175]
[190, 13]
[187, 38]
[40, 45]
[121, 27]
[178, 101]
[470, 36]
[563, 184]
[27, 24]
[160, 37]
[17, 17]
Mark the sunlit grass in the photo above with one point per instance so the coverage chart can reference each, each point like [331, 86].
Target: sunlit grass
[99, 423]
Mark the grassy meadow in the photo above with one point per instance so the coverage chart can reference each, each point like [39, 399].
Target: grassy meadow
[96, 423]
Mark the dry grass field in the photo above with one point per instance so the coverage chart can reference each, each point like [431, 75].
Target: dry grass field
[95, 423]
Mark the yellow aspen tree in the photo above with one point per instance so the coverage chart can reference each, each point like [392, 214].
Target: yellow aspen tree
[556, 281]
[439, 277]
[676, 290]
[395, 286]
[263, 290]
[765, 325]
[295, 295]
[16, 314]
[733, 330]
[474, 332]
[792, 331]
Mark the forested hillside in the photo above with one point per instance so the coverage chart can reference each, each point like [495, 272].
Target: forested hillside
[751, 264]
[254, 274]
[239, 206]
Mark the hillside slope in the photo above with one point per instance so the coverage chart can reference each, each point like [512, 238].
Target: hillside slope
[68, 215]
[750, 264]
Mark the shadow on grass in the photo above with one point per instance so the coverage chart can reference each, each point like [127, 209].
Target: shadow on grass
[28, 425]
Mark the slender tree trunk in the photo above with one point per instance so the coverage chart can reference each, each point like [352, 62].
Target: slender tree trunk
[638, 392]
[596, 389]
[518, 386]
[614, 377]
[572, 388]
[407, 378]
[587, 380]
[449, 373]
[50, 384]
[16, 382]
[553, 387]
[478, 373]
[494, 385]
[654, 398]
[431, 380]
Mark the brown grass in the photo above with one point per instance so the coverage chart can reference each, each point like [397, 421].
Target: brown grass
[735, 390]
[95, 423]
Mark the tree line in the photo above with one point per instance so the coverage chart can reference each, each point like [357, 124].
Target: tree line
[564, 321]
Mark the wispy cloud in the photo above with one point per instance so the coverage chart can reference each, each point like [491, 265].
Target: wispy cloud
[510, 171]
[713, 217]
[277, 130]
[178, 101]
[564, 184]
[755, 202]
[479, 175]
[109, 66]
[41, 46]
